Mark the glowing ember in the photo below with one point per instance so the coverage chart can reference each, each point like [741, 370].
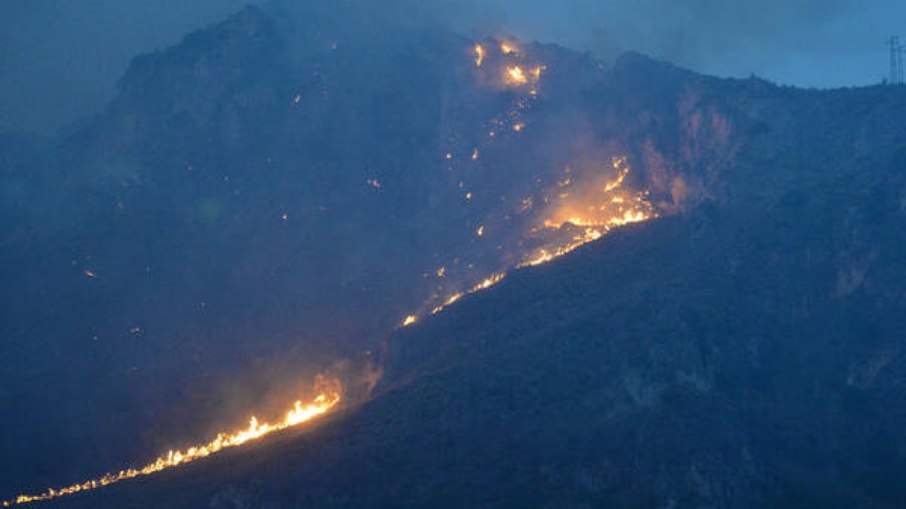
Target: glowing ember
[453, 298]
[488, 282]
[409, 320]
[507, 48]
[483, 285]
[479, 55]
[515, 76]
[329, 397]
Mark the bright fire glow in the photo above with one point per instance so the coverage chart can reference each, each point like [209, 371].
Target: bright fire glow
[577, 209]
[507, 48]
[488, 282]
[329, 396]
[516, 76]
[582, 217]
[479, 55]
[483, 285]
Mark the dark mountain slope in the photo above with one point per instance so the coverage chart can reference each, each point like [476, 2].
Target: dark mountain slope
[768, 316]
[748, 353]
[255, 205]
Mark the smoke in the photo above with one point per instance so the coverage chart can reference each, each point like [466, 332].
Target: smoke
[60, 60]
[812, 43]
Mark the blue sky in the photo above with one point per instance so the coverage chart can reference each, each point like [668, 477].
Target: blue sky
[59, 59]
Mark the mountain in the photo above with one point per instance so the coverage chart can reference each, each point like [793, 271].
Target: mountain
[259, 201]
[691, 362]
[734, 356]
[258, 190]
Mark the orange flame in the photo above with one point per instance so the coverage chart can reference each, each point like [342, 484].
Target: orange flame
[331, 392]
[516, 76]
[483, 285]
[479, 55]
[571, 220]
[596, 213]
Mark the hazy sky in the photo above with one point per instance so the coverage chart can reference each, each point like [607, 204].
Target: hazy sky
[60, 59]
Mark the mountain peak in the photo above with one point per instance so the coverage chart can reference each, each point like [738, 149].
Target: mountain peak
[243, 38]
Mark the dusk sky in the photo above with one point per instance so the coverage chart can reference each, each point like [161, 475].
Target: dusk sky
[59, 61]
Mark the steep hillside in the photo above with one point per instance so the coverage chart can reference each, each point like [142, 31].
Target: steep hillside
[723, 358]
[261, 201]
[746, 353]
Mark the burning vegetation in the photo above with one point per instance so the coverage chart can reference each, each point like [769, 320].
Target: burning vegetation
[509, 67]
[586, 213]
[556, 218]
[329, 395]
[579, 207]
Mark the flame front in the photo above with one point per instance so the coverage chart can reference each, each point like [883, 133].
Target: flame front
[578, 209]
[583, 217]
[329, 396]
[516, 76]
[572, 222]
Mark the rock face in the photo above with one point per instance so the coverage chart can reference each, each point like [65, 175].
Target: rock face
[248, 194]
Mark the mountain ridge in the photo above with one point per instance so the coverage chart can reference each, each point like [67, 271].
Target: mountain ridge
[230, 229]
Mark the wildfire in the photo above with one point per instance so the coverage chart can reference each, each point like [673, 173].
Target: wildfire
[331, 393]
[488, 282]
[593, 213]
[572, 222]
[483, 285]
[518, 76]
[479, 55]
[515, 76]
[596, 203]
[622, 171]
